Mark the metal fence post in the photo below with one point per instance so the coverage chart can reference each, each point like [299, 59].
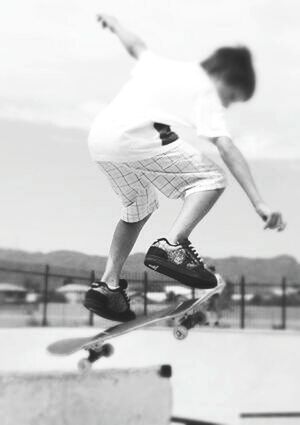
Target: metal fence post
[283, 303]
[145, 293]
[91, 315]
[193, 293]
[45, 296]
[242, 307]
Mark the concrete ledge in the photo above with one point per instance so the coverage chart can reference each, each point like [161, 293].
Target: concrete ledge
[108, 397]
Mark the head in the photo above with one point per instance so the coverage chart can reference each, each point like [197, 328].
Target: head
[231, 70]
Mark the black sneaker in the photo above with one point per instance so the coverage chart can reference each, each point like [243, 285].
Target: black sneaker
[180, 262]
[112, 304]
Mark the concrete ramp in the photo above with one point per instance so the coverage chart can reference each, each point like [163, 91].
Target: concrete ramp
[109, 397]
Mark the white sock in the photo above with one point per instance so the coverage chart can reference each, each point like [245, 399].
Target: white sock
[112, 286]
[172, 244]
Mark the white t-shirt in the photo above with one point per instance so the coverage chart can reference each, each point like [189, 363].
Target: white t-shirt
[162, 91]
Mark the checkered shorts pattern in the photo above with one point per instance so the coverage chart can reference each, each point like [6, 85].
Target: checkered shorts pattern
[175, 173]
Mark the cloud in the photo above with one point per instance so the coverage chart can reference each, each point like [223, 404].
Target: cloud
[58, 66]
[78, 116]
[267, 146]
[254, 144]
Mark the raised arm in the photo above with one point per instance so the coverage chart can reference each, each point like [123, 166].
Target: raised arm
[132, 43]
[238, 166]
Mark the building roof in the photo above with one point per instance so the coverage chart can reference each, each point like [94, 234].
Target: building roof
[11, 287]
[73, 287]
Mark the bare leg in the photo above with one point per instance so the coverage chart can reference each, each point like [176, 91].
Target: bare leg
[122, 243]
[195, 207]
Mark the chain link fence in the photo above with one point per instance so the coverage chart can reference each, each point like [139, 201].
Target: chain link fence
[43, 295]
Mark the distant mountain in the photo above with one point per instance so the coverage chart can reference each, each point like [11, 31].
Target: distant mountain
[255, 270]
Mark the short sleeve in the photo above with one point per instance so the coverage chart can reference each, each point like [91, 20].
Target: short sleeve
[209, 118]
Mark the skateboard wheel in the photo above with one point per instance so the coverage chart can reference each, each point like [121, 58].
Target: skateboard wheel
[84, 365]
[107, 350]
[180, 332]
[165, 371]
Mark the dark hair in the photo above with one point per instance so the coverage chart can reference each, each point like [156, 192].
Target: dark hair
[234, 66]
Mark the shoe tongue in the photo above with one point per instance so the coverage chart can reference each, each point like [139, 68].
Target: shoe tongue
[123, 283]
[185, 242]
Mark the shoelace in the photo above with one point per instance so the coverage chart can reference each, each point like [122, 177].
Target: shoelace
[192, 251]
[123, 292]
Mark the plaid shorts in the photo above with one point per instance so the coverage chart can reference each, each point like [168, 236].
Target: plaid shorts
[176, 173]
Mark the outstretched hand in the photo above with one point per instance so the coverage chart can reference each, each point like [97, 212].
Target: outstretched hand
[107, 21]
[132, 43]
[272, 219]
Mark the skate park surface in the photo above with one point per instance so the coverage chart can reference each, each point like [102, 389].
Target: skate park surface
[218, 375]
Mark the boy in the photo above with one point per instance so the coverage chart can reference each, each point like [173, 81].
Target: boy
[135, 144]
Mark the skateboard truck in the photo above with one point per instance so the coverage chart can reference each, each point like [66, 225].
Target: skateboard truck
[95, 353]
[188, 322]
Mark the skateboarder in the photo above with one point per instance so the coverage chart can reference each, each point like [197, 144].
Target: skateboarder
[136, 144]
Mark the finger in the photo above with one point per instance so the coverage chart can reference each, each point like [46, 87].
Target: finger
[268, 221]
[281, 227]
[279, 222]
[275, 220]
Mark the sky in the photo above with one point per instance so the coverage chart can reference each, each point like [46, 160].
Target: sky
[58, 69]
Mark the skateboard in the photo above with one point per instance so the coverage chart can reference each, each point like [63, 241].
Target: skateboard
[180, 313]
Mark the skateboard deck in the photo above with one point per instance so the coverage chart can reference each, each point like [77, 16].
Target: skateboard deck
[96, 346]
